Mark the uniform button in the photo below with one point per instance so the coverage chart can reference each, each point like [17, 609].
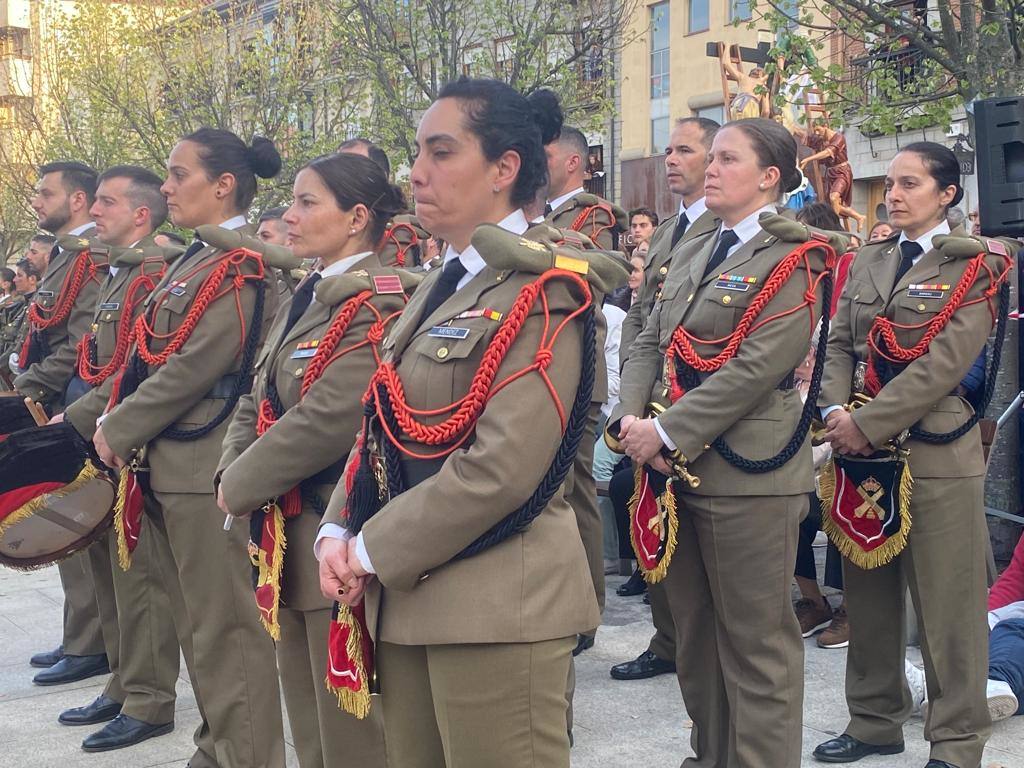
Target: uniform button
[857, 297]
[95, 327]
[726, 299]
[298, 372]
[921, 307]
[663, 271]
[108, 316]
[689, 298]
[442, 353]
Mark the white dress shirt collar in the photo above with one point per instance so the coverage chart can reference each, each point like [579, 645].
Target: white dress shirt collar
[471, 259]
[342, 266]
[559, 201]
[79, 230]
[695, 211]
[235, 222]
[925, 240]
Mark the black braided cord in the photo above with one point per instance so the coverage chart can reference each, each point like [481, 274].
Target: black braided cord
[521, 518]
[137, 371]
[942, 438]
[796, 442]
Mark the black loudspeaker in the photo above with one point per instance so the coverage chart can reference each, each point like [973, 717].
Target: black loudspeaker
[999, 138]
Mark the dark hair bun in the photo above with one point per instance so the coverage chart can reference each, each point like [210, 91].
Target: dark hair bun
[791, 179]
[958, 196]
[391, 203]
[264, 158]
[547, 113]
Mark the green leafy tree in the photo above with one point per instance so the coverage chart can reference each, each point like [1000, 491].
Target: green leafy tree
[408, 49]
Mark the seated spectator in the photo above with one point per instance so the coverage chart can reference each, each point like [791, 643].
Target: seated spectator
[642, 223]
[881, 231]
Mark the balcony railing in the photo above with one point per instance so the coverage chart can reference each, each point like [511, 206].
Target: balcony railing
[903, 67]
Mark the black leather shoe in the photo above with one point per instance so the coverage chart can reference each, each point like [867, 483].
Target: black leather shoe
[70, 669]
[634, 585]
[123, 731]
[47, 659]
[100, 710]
[583, 643]
[939, 764]
[643, 666]
[647, 598]
[846, 749]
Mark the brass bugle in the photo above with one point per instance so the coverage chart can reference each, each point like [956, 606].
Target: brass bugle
[674, 458]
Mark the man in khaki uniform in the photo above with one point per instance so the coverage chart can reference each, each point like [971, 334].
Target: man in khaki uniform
[64, 194]
[206, 570]
[567, 202]
[516, 606]
[134, 608]
[685, 159]
[943, 562]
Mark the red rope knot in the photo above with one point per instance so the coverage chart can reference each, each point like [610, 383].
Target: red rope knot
[376, 333]
[543, 358]
[239, 281]
[810, 297]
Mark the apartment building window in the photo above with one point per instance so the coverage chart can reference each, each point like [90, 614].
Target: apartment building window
[700, 16]
[712, 113]
[659, 76]
[739, 10]
[16, 42]
[504, 57]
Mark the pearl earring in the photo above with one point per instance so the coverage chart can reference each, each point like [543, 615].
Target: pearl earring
[496, 190]
[351, 231]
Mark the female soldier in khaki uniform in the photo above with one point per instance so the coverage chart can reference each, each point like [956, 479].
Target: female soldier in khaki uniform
[473, 652]
[739, 653]
[908, 280]
[341, 206]
[205, 320]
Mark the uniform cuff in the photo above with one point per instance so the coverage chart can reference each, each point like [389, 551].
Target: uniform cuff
[329, 531]
[828, 409]
[364, 558]
[664, 436]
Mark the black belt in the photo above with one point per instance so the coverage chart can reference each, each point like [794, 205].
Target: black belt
[225, 386]
[418, 470]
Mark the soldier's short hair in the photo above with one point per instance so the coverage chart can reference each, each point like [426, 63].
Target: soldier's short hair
[272, 214]
[44, 238]
[375, 153]
[75, 176]
[143, 190]
[574, 138]
[708, 128]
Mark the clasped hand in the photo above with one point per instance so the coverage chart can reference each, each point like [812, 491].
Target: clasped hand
[643, 444]
[845, 436]
[342, 576]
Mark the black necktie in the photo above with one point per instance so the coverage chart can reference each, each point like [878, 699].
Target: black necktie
[54, 252]
[300, 301]
[910, 251]
[726, 240]
[547, 209]
[196, 247]
[681, 224]
[442, 290]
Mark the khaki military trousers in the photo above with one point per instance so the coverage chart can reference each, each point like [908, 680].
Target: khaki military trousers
[138, 631]
[489, 705]
[83, 634]
[739, 655]
[325, 735]
[230, 657]
[944, 566]
[663, 641]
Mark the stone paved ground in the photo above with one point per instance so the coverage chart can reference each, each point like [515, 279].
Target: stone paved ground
[617, 723]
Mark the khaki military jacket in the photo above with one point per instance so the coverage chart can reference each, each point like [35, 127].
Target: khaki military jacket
[533, 586]
[83, 412]
[181, 393]
[48, 379]
[12, 321]
[315, 433]
[741, 401]
[925, 392]
[564, 215]
[659, 258]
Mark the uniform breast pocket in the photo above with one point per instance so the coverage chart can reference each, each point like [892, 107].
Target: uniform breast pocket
[443, 368]
[723, 308]
[864, 305]
[171, 311]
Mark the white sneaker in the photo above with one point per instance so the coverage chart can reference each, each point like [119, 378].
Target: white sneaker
[1001, 701]
[918, 688]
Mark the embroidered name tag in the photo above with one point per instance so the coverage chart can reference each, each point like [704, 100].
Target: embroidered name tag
[735, 282]
[44, 294]
[726, 285]
[110, 305]
[448, 332]
[927, 291]
[300, 354]
[490, 314]
[387, 284]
